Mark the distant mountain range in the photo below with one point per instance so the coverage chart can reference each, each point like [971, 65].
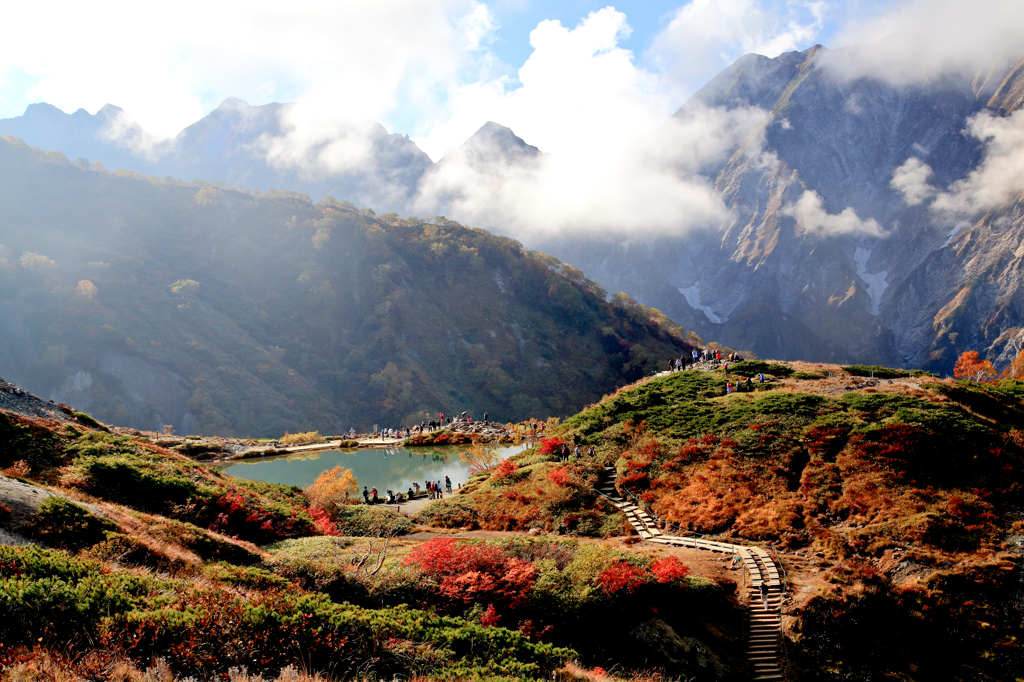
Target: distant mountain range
[870, 221]
[237, 144]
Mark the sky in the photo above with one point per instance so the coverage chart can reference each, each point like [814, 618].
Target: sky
[435, 70]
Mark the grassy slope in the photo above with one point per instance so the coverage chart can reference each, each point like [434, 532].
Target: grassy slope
[156, 555]
[906, 496]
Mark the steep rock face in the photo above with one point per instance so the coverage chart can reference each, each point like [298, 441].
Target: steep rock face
[240, 145]
[800, 270]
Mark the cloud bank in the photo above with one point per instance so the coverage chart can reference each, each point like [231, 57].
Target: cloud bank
[999, 175]
[922, 39]
[615, 161]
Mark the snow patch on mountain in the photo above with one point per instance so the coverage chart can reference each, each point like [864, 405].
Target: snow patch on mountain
[876, 282]
[692, 295]
[955, 231]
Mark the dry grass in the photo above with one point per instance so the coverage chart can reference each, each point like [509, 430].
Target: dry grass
[48, 666]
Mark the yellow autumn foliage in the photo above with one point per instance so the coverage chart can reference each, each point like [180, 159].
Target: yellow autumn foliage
[331, 488]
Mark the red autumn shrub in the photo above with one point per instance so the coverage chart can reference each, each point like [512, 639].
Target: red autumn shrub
[505, 469]
[635, 482]
[235, 513]
[322, 521]
[490, 617]
[549, 446]
[621, 576]
[472, 572]
[669, 569]
[559, 476]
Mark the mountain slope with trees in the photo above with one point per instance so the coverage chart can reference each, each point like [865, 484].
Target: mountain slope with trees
[152, 302]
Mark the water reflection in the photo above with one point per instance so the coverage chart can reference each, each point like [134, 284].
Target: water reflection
[393, 468]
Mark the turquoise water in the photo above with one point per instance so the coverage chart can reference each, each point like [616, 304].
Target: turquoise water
[394, 468]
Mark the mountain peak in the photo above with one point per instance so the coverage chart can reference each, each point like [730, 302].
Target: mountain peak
[492, 143]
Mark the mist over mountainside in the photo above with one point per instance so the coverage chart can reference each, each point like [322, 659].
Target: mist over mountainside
[848, 216]
[855, 229]
[151, 302]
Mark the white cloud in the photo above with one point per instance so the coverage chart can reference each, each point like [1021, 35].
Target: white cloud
[705, 36]
[921, 39]
[911, 179]
[811, 216]
[577, 86]
[614, 163]
[157, 62]
[1000, 173]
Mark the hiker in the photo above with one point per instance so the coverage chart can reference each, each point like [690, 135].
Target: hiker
[366, 495]
[671, 364]
[679, 364]
[373, 494]
[448, 483]
[694, 353]
[577, 451]
[390, 497]
[485, 417]
[417, 486]
[750, 384]
[763, 587]
[760, 377]
[728, 388]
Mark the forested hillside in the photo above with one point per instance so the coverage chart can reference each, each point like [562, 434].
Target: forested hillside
[153, 302]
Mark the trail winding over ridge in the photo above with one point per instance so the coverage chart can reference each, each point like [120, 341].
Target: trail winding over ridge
[764, 619]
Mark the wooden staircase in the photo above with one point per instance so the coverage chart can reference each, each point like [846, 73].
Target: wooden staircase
[764, 618]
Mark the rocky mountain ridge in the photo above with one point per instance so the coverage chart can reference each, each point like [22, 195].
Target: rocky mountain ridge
[824, 256]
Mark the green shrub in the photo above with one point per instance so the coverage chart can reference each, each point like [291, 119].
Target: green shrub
[197, 449]
[126, 550]
[811, 376]
[252, 577]
[48, 594]
[448, 513]
[62, 523]
[749, 368]
[86, 419]
[127, 479]
[369, 520]
[878, 372]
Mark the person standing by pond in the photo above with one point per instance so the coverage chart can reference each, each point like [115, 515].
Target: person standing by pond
[448, 484]
[366, 495]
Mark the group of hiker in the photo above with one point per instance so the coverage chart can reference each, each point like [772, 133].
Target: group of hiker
[432, 488]
[703, 356]
[575, 452]
[425, 426]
